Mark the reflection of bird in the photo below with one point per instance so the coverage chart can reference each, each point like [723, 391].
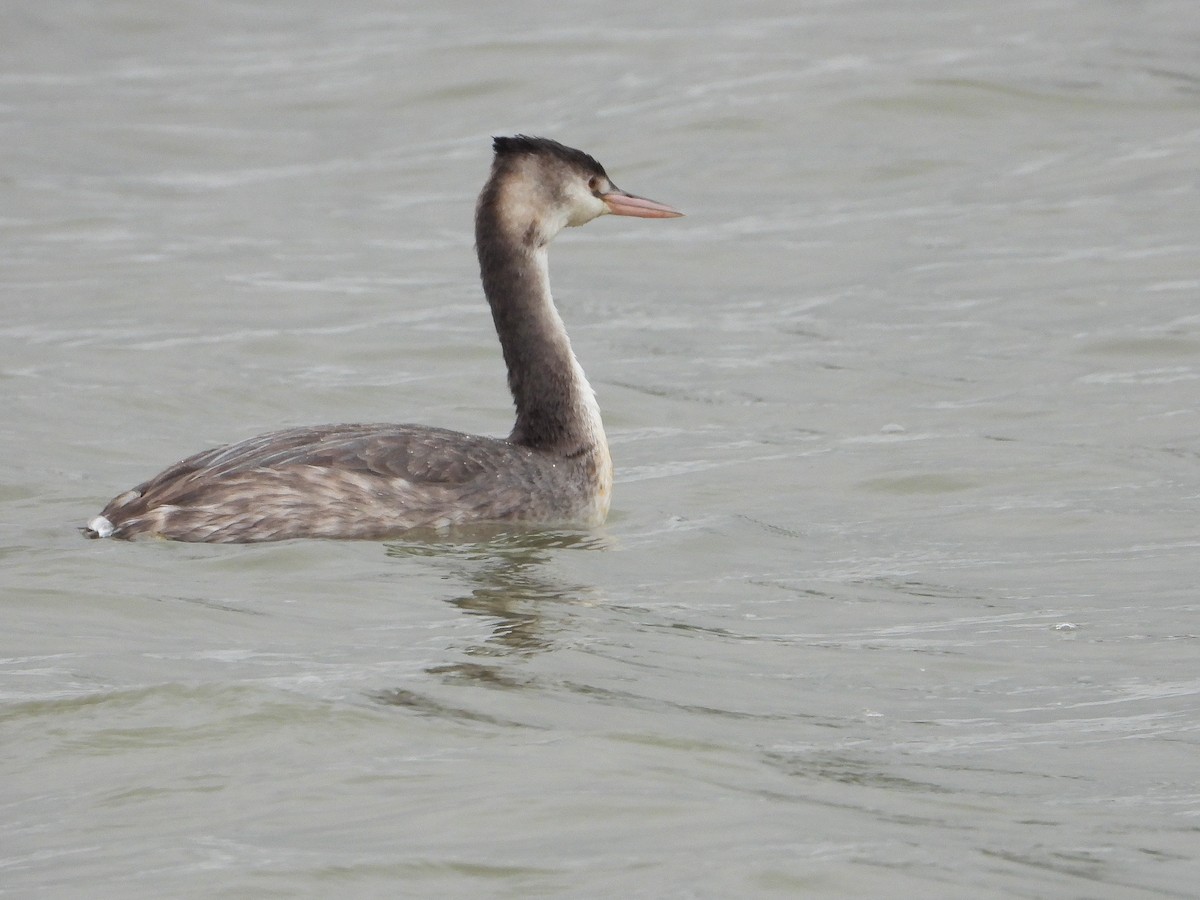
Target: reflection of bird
[373, 481]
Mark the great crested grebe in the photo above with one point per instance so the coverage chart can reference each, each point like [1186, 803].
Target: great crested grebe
[376, 481]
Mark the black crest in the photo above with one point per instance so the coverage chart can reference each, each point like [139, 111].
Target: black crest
[523, 143]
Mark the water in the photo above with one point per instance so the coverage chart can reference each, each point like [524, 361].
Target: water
[899, 591]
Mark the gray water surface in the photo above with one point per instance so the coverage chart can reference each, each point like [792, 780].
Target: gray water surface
[899, 592]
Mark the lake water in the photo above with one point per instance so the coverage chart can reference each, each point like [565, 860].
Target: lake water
[899, 592]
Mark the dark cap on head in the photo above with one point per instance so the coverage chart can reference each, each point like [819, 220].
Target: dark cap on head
[523, 143]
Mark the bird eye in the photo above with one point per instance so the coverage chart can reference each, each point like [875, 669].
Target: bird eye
[594, 184]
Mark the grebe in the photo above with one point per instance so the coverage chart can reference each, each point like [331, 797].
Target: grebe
[377, 481]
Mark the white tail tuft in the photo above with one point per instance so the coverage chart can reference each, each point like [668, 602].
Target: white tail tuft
[101, 527]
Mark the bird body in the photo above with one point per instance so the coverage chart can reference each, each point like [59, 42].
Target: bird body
[377, 481]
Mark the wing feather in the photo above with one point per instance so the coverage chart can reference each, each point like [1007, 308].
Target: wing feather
[344, 480]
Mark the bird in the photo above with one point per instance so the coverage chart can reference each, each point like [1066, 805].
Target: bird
[380, 481]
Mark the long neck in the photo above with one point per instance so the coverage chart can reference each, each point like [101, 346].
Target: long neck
[556, 409]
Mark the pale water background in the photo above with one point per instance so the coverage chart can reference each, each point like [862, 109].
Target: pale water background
[899, 594]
